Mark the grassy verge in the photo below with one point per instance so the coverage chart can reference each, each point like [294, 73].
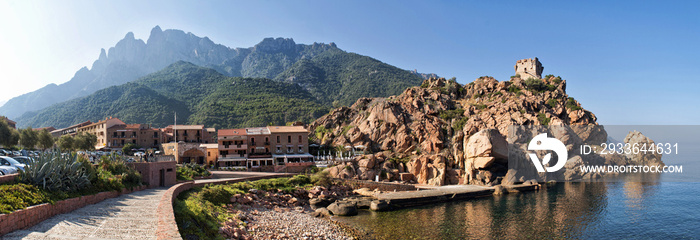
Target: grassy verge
[200, 212]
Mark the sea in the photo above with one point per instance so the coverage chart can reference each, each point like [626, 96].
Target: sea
[668, 207]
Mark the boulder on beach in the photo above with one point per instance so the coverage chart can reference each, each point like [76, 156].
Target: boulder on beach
[342, 209]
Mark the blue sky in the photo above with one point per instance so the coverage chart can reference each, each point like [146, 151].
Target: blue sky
[629, 62]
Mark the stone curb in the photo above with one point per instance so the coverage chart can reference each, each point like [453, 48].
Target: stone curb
[32, 215]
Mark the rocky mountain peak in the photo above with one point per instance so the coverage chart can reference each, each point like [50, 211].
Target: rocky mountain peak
[275, 45]
[156, 35]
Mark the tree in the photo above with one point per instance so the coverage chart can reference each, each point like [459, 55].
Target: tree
[45, 140]
[129, 148]
[28, 138]
[8, 135]
[65, 143]
[85, 141]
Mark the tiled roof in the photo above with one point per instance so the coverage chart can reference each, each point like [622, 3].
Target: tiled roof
[287, 129]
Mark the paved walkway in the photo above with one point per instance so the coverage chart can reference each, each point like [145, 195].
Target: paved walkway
[129, 216]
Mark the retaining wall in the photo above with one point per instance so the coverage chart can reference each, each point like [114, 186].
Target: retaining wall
[33, 215]
[382, 186]
[167, 226]
[7, 178]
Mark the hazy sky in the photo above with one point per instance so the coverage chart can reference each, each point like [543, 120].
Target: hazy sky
[629, 62]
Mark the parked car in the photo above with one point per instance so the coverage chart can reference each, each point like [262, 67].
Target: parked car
[24, 160]
[139, 154]
[6, 170]
[11, 162]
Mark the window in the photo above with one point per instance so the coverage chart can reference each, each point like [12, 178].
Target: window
[278, 139]
[279, 149]
[289, 139]
[301, 149]
[299, 139]
[208, 154]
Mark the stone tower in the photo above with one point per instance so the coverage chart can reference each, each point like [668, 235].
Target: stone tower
[529, 68]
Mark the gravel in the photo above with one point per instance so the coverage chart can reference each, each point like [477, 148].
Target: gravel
[286, 223]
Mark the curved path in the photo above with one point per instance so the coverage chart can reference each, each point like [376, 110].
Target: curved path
[129, 216]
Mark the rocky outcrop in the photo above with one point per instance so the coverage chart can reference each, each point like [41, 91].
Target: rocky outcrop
[447, 133]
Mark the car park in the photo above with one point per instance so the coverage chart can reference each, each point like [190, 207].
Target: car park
[24, 160]
[6, 170]
[11, 162]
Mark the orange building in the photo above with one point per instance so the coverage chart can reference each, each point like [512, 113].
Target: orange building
[264, 148]
[189, 134]
[141, 135]
[99, 129]
[233, 147]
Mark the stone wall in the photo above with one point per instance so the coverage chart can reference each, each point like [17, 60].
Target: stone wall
[33, 215]
[151, 173]
[529, 68]
[167, 226]
[7, 178]
[382, 186]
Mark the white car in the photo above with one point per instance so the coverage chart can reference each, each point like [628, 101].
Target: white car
[11, 162]
[139, 154]
[5, 170]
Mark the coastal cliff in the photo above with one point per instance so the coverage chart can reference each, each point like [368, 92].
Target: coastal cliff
[444, 133]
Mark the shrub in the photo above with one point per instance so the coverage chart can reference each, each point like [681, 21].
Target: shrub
[513, 89]
[552, 103]
[189, 171]
[459, 124]
[450, 114]
[54, 171]
[557, 80]
[299, 180]
[113, 173]
[198, 218]
[19, 196]
[544, 120]
[571, 104]
[321, 178]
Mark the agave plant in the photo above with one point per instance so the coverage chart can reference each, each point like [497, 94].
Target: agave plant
[54, 171]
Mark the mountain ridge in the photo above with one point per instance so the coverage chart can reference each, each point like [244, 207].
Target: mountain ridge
[199, 95]
[131, 58]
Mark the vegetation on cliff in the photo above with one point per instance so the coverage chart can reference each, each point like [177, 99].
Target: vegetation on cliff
[429, 127]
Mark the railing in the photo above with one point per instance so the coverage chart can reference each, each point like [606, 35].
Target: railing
[231, 147]
[259, 155]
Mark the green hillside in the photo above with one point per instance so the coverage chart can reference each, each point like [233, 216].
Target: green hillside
[199, 96]
[339, 78]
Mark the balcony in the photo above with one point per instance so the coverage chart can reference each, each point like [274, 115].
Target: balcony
[260, 155]
[233, 147]
[233, 157]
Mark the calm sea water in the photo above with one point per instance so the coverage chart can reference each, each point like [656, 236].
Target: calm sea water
[620, 210]
[668, 208]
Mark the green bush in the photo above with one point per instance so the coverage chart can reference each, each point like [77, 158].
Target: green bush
[321, 178]
[459, 124]
[54, 171]
[299, 180]
[114, 174]
[571, 104]
[552, 103]
[450, 114]
[19, 196]
[198, 218]
[513, 89]
[189, 171]
[542, 117]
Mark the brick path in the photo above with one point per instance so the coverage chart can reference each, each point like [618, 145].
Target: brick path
[130, 216]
